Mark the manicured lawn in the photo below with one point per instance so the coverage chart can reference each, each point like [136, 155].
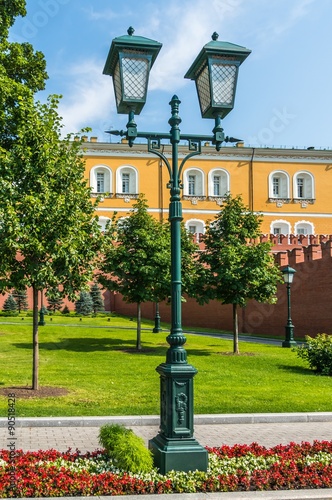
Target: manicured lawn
[105, 376]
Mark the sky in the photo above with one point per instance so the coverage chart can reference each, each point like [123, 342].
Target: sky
[283, 97]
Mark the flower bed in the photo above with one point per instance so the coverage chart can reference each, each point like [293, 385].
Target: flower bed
[231, 468]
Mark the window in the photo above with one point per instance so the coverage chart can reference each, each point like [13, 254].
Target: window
[218, 183]
[101, 179]
[304, 186]
[125, 182]
[193, 182]
[276, 186]
[279, 186]
[300, 187]
[191, 185]
[100, 182]
[280, 227]
[195, 227]
[304, 227]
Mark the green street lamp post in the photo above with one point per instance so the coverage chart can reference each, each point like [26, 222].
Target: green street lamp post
[288, 275]
[215, 72]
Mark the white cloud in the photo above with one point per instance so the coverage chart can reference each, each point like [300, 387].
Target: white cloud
[90, 94]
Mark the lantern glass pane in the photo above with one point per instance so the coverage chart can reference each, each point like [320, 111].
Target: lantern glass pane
[203, 87]
[117, 84]
[135, 77]
[223, 83]
[288, 277]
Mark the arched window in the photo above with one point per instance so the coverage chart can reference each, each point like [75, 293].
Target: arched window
[218, 183]
[304, 227]
[279, 186]
[102, 221]
[101, 180]
[303, 187]
[195, 227]
[280, 227]
[126, 182]
[193, 183]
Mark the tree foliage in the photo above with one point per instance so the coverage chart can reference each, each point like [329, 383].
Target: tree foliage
[49, 235]
[136, 259]
[54, 299]
[236, 267]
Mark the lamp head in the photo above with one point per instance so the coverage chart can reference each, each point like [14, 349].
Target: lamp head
[215, 71]
[129, 61]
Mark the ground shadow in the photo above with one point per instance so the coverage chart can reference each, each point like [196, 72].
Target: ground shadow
[92, 344]
[297, 369]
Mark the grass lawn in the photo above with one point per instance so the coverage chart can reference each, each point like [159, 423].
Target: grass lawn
[105, 376]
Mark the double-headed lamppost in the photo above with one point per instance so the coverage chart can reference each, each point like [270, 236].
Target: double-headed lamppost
[215, 72]
[288, 275]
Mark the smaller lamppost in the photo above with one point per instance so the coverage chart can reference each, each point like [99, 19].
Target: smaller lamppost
[288, 275]
[41, 321]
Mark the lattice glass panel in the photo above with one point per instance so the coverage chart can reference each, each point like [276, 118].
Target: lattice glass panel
[223, 83]
[203, 86]
[117, 83]
[135, 77]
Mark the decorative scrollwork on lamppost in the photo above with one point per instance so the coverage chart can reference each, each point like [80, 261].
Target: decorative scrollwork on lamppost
[215, 72]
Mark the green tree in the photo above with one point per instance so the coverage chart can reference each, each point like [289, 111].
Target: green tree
[54, 299]
[49, 235]
[10, 304]
[136, 259]
[97, 299]
[21, 297]
[235, 266]
[22, 73]
[84, 304]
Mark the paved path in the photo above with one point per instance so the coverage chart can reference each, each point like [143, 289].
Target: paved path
[85, 438]
[210, 430]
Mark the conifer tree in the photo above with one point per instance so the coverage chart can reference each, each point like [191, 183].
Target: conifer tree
[21, 297]
[10, 304]
[84, 304]
[97, 299]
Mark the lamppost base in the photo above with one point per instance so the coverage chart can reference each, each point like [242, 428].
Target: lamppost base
[289, 343]
[178, 454]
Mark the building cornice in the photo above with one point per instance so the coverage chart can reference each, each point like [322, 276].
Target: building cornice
[230, 153]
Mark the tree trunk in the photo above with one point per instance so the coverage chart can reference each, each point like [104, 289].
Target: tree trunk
[35, 346]
[138, 338]
[235, 331]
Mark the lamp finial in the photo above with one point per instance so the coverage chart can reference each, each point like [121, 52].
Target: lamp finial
[130, 31]
[215, 36]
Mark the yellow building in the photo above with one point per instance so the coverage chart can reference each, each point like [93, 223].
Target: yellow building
[291, 188]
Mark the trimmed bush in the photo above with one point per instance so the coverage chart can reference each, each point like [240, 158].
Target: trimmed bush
[318, 353]
[127, 451]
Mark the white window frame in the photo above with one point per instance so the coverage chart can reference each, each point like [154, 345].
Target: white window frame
[199, 226]
[133, 180]
[282, 225]
[306, 225]
[224, 178]
[199, 182]
[283, 185]
[102, 221]
[308, 185]
[108, 175]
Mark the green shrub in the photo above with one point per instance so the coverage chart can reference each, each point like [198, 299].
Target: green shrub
[127, 451]
[317, 352]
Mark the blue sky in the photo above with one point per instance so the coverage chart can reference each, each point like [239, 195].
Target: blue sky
[284, 95]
